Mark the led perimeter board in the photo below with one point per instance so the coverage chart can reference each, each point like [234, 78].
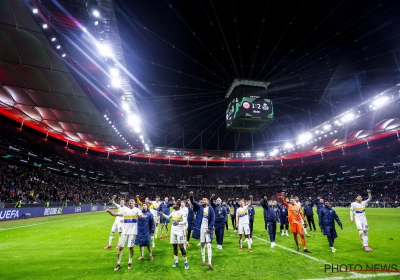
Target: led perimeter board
[248, 108]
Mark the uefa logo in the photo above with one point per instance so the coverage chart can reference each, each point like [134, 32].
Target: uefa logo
[246, 105]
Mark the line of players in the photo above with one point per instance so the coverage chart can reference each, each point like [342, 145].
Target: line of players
[139, 226]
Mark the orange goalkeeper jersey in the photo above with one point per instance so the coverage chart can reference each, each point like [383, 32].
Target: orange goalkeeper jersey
[294, 213]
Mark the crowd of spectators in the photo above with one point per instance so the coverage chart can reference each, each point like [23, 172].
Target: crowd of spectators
[337, 179]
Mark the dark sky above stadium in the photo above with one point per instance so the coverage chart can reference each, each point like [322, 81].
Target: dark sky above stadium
[321, 57]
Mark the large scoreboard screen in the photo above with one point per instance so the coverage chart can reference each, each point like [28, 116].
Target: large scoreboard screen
[248, 103]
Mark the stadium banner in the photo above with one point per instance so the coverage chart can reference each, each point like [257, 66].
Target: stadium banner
[18, 213]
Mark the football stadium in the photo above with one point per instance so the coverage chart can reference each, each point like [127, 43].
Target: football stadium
[199, 139]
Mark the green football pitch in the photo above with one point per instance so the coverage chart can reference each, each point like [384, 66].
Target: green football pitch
[72, 247]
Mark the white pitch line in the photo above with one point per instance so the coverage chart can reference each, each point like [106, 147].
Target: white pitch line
[294, 251]
[38, 224]
[355, 275]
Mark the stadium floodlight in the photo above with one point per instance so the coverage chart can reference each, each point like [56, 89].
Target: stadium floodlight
[288, 145]
[260, 154]
[379, 102]
[348, 117]
[125, 106]
[141, 136]
[53, 39]
[58, 47]
[136, 129]
[96, 22]
[105, 116]
[96, 13]
[134, 120]
[317, 132]
[114, 72]
[63, 55]
[337, 122]
[44, 26]
[327, 127]
[35, 11]
[116, 82]
[273, 152]
[104, 49]
[304, 137]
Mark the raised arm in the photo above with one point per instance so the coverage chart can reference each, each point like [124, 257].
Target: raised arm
[113, 201]
[283, 200]
[369, 197]
[251, 199]
[196, 205]
[172, 202]
[212, 203]
[138, 200]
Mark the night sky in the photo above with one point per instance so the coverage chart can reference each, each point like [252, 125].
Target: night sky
[321, 57]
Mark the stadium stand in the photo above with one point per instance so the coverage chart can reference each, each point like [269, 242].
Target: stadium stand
[37, 170]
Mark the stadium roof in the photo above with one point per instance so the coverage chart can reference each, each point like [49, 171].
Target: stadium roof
[178, 60]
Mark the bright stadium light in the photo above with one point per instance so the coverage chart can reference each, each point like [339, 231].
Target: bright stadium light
[125, 106]
[348, 117]
[44, 26]
[260, 154]
[304, 137]
[116, 82]
[58, 47]
[53, 39]
[96, 22]
[114, 72]
[288, 145]
[134, 120]
[104, 49]
[137, 129]
[96, 13]
[35, 11]
[327, 127]
[63, 55]
[273, 153]
[379, 102]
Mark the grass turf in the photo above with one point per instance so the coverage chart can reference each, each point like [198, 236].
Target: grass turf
[71, 247]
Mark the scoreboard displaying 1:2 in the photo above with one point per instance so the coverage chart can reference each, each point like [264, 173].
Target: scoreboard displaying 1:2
[251, 106]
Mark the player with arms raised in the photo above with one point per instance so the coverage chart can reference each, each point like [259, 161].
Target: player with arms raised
[179, 223]
[118, 223]
[129, 231]
[357, 209]
[296, 221]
